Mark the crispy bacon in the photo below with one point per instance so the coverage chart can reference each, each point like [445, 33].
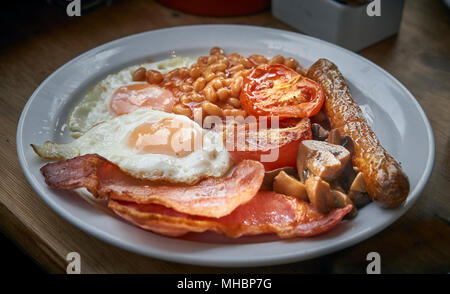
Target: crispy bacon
[267, 212]
[211, 197]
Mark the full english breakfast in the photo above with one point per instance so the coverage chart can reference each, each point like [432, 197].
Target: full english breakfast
[226, 143]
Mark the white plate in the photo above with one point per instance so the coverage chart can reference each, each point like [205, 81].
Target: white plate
[394, 114]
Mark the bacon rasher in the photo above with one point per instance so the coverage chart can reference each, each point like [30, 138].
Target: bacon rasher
[212, 197]
[231, 206]
[267, 212]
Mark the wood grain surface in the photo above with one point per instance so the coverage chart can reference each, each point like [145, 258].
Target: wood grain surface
[38, 38]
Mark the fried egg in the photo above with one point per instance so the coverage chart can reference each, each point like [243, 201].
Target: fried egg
[118, 94]
[150, 144]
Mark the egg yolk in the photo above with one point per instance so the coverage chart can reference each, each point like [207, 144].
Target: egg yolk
[127, 99]
[168, 136]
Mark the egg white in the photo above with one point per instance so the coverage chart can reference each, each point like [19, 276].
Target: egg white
[110, 140]
[94, 107]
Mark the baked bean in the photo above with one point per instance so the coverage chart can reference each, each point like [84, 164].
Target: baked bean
[236, 87]
[217, 67]
[227, 82]
[154, 77]
[216, 83]
[234, 57]
[235, 102]
[199, 84]
[210, 94]
[196, 97]
[278, 59]
[227, 106]
[208, 75]
[167, 84]
[291, 62]
[216, 51]
[300, 70]
[178, 82]
[211, 109]
[228, 112]
[202, 60]
[240, 112]
[183, 72]
[242, 73]
[234, 112]
[238, 74]
[223, 94]
[212, 59]
[139, 74]
[221, 75]
[173, 74]
[258, 59]
[181, 109]
[246, 62]
[186, 88]
[195, 72]
[224, 60]
[236, 68]
[185, 99]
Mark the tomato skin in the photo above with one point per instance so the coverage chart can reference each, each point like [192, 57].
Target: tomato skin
[287, 147]
[276, 90]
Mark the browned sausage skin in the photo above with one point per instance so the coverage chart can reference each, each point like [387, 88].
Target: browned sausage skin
[385, 181]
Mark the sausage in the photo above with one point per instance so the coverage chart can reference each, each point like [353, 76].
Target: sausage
[385, 181]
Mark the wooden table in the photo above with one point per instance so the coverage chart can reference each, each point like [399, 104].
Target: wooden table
[37, 39]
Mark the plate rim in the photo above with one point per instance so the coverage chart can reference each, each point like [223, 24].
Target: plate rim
[181, 258]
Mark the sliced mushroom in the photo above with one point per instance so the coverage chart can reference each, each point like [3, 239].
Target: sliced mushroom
[335, 185]
[334, 137]
[347, 176]
[306, 174]
[357, 191]
[358, 183]
[319, 194]
[341, 200]
[318, 132]
[347, 143]
[270, 176]
[321, 159]
[285, 184]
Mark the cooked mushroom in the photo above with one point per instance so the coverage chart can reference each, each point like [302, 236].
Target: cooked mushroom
[357, 191]
[321, 159]
[347, 143]
[319, 194]
[318, 132]
[334, 137]
[269, 177]
[285, 184]
[335, 185]
[341, 200]
[358, 183]
[347, 176]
